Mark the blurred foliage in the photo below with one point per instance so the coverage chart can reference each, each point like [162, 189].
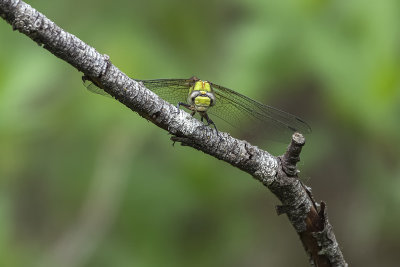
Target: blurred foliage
[86, 182]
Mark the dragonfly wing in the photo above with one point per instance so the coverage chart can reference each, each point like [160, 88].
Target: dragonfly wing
[92, 87]
[171, 90]
[234, 108]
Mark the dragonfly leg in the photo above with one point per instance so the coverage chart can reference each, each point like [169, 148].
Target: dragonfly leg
[209, 121]
[178, 106]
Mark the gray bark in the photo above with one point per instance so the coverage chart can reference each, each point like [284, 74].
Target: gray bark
[279, 174]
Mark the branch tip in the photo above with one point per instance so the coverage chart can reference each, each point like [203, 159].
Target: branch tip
[292, 154]
[299, 139]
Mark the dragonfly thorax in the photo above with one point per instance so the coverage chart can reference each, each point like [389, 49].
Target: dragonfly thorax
[201, 96]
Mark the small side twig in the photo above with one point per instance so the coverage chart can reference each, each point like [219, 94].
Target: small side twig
[313, 228]
[292, 154]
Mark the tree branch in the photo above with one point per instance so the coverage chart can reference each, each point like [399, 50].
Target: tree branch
[279, 174]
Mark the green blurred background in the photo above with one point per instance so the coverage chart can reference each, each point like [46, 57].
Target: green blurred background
[87, 182]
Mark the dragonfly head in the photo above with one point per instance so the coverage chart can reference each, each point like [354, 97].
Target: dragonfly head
[201, 96]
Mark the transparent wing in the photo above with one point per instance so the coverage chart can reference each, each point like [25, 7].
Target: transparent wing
[237, 109]
[92, 87]
[171, 90]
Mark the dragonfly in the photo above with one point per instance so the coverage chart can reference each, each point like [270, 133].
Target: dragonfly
[207, 98]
